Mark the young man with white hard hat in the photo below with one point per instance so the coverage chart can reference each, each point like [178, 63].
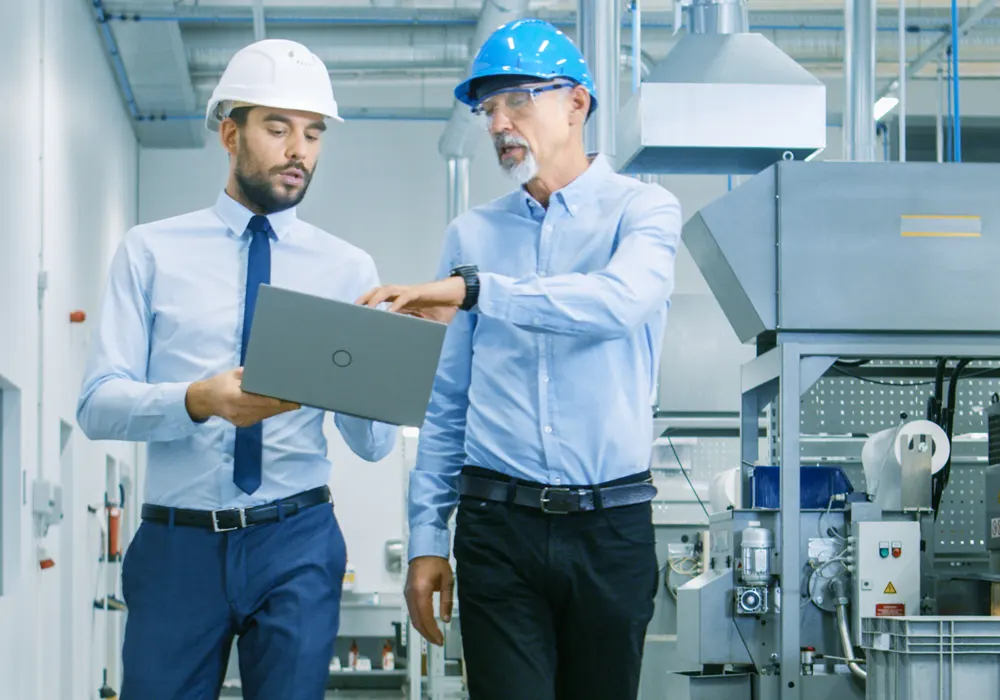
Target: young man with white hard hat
[540, 427]
[238, 535]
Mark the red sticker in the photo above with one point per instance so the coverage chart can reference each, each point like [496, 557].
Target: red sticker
[890, 610]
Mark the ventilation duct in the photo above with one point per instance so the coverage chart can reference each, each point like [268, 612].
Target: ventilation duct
[723, 101]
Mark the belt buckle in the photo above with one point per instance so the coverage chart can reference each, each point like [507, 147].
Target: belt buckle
[215, 520]
[545, 500]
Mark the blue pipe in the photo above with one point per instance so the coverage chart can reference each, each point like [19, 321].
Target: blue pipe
[957, 121]
[116, 59]
[347, 116]
[375, 22]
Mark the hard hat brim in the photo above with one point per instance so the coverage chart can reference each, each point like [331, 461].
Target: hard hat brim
[213, 121]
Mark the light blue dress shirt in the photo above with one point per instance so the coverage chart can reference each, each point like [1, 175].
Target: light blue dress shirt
[551, 378]
[173, 314]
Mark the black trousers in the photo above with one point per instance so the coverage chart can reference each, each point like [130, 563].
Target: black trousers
[554, 607]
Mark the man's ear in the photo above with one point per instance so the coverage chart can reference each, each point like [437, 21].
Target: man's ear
[229, 135]
[579, 104]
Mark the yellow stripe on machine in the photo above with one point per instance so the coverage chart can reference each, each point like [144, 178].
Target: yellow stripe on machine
[941, 226]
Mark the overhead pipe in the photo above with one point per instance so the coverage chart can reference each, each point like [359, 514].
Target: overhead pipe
[373, 17]
[639, 71]
[859, 73]
[939, 47]
[939, 113]
[456, 141]
[115, 55]
[902, 82]
[956, 139]
[458, 187]
[416, 51]
[599, 38]
[259, 32]
[636, 45]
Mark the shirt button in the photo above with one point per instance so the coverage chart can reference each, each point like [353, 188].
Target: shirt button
[548, 428]
[547, 228]
[545, 378]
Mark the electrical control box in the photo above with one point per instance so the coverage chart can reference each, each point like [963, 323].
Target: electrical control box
[886, 577]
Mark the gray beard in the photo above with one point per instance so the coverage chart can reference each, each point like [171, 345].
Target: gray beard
[524, 172]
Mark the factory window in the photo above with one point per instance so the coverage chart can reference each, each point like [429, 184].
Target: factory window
[11, 487]
[980, 139]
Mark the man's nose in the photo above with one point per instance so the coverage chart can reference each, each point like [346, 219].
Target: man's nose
[295, 146]
[499, 123]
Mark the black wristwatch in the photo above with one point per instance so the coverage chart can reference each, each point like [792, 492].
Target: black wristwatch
[469, 273]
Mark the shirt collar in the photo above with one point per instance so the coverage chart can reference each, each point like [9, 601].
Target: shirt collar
[579, 192]
[237, 217]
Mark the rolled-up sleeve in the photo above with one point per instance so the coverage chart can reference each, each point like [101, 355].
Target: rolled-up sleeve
[608, 303]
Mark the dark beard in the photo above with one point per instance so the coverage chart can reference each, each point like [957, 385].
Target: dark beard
[262, 193]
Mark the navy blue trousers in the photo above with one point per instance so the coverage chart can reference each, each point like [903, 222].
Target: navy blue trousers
[275, 587]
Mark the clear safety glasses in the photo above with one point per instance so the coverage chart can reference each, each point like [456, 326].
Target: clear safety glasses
[515, 103]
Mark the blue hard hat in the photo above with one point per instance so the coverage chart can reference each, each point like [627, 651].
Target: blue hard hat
[526, 50]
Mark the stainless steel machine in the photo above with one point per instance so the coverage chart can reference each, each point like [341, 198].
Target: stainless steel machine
[858, 270]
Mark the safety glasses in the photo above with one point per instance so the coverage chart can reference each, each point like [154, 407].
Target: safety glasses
[515, 102]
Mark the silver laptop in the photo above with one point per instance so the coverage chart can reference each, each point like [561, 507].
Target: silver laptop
[342, 357]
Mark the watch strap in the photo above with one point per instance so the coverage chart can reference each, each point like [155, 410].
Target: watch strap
[470, 274]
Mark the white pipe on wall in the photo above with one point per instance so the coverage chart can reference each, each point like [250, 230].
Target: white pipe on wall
[902, 81]
[458, 187]
[456, 141]
[859, 74]
[598, 31]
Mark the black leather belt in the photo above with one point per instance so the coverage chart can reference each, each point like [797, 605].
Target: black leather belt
[229, 519]
[557, 500]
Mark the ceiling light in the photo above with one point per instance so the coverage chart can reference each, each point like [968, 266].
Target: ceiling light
[884, 105]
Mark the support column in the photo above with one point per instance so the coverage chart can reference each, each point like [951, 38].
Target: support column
[458, 187]
[598, 31]
[859, 79]
[790, 405]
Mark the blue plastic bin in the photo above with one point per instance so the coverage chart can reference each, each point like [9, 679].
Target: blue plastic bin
[818, 484]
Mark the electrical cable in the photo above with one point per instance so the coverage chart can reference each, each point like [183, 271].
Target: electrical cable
[686, 477]
[702, 504]
[852, 375]
[941, 479]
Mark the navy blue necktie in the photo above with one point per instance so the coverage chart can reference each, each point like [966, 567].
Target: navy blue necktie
[249, 441]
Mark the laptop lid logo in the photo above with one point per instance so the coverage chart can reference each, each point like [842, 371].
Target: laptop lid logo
[342, 358]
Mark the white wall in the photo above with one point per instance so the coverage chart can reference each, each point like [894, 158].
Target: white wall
[68, 179]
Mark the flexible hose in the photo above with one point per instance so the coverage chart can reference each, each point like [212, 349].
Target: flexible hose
[839, 589]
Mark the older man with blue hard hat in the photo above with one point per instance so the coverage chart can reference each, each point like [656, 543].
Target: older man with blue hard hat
[540, 426]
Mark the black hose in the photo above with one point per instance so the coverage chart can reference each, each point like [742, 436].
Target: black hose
[941, 479]
[934, 402]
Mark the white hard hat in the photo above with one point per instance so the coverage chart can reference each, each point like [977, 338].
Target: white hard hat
[273, 73]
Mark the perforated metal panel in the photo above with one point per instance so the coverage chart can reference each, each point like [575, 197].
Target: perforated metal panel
[844, 404]
[961, 522]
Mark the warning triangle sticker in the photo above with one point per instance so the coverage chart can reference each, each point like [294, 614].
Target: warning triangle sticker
[890, 589]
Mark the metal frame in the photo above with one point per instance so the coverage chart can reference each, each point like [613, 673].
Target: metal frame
[787, 372]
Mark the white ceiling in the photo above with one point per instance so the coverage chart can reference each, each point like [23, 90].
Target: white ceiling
[418, 48]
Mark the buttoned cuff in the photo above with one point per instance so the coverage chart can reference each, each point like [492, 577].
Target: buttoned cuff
[174, 401]
[429, 541]
[492, 301]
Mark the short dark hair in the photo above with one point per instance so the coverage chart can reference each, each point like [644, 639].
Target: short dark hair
[239, 115]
